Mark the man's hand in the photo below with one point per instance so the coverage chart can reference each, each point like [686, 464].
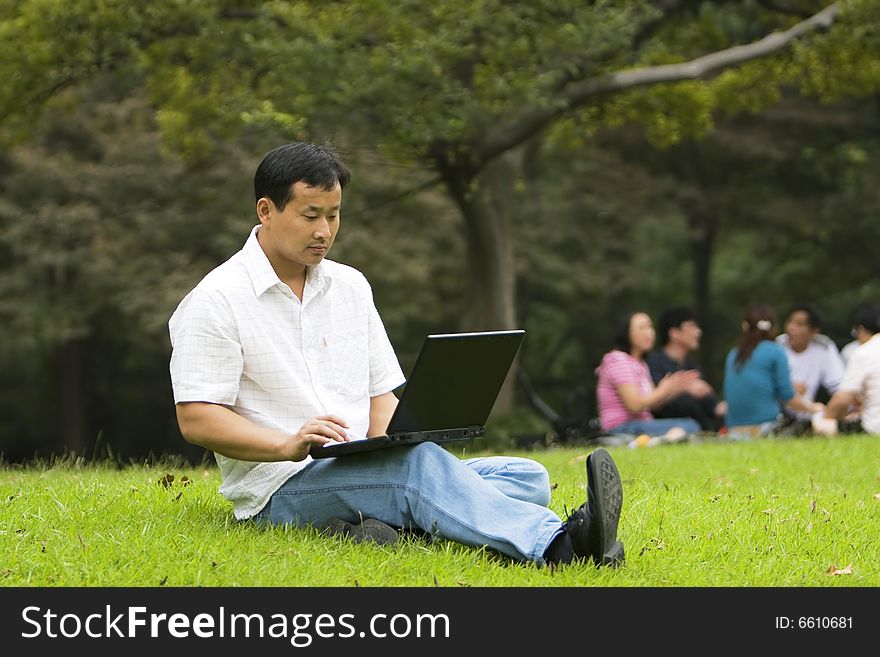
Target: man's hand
[317, 431]
[225, 432]
[675, 383]
[699, 389]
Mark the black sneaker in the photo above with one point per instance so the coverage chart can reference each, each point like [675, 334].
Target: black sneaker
[367, 531]
[590, 531]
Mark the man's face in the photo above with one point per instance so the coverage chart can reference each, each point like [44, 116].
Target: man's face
[799, 331]
[687, 335]
[303, 232]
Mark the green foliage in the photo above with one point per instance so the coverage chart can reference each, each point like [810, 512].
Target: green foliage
[137, 126]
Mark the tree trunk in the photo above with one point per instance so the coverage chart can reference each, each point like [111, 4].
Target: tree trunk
[703, 227]
[72, 398]
[485, 201]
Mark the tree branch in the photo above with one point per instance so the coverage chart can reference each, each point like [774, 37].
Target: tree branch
[577, 94]
[391, 200]
[781, 8]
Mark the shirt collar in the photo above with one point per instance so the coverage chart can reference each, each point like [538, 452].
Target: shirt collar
[263, 276]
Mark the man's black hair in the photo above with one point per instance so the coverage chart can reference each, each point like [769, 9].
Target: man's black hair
[814, 318]
[868, 317]
[316, 166]
[673, 318]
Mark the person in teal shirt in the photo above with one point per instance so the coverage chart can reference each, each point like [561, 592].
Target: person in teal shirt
[757, 381]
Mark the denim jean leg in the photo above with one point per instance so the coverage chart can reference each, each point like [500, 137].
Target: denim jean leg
[521, 479]
[421, 486]
[656, 427]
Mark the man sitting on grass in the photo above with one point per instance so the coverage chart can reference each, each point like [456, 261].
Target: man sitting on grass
[860, 387]
[279, 349]
[679, 334]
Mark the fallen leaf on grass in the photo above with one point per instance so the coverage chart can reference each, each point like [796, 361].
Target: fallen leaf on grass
[834, 570]
[163, 580]
[877, 496]
[166, 480]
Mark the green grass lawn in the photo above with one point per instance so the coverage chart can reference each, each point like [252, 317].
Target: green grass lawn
[765, 513]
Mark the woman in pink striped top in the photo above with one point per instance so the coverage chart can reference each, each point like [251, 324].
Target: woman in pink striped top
[625, 392]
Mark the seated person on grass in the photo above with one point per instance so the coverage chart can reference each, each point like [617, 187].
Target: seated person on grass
[679, 335]
[860, 387]
[813, 358]
[625, 393]
[279, 349]
[757, 381]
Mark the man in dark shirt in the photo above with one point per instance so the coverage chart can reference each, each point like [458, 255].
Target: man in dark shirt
[679, 335]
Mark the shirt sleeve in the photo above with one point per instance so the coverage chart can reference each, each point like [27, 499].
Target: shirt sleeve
[782, 374]
[834, 369]
[854, 376]
[385, 372]
[206, 355]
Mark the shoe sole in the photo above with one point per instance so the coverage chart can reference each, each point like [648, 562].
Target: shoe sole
[368, 531]
[374, 531]
[608, 490]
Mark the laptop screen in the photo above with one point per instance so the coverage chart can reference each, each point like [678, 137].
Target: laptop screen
[455, 381]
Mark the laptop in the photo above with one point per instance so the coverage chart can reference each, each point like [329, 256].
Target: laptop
[449, 395]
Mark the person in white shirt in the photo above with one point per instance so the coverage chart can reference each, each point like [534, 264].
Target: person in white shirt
[279, 349]
[860, 387]
[813, 358]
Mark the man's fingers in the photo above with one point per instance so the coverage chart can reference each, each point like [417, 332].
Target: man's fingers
[325, 428]
[335, 419]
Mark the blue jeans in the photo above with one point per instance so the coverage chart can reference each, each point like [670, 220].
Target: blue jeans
[656, 427]
[499, 502]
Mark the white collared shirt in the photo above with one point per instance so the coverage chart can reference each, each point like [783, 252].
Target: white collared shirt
[241, 338]
[819, 364]
[863, 378]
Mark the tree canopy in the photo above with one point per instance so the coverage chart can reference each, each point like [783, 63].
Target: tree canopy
[556, 153]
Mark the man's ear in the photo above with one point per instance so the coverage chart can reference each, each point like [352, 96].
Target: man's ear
[265, 208]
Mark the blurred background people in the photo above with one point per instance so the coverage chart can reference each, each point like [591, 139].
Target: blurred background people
[626, 393]
[679, 336]
[859, 391]
[813, 358]
[859, 334]
[757, 379]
